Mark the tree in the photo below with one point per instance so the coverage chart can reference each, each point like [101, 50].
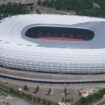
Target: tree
[7, 103]
[31, 8]
[38, 100]
[13, 9]
[44, 101]
[81, 7]
[63, 99]
[49, 91]
[65, 91]
[36, 89]
[68, 100]
[39, 2]
[25, 88]
[38, 11]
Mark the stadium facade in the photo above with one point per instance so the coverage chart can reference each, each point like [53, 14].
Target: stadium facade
[53, 43]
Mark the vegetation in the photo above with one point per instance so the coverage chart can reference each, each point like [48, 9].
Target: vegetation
[49, 91]
[34, 99]
[80, 7]
[24, 95]
[38, 11]
[25, 88]
[91, 98]
[36, 89]
[65, 91]
[13, 9]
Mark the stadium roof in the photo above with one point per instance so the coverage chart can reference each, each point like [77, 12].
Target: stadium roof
[52, 56]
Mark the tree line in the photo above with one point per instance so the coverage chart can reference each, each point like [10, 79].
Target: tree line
[80, 7]
[13, 9]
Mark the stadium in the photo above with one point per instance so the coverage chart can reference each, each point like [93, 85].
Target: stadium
[53, 44]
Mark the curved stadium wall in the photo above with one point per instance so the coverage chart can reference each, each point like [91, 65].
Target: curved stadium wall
[53, 43]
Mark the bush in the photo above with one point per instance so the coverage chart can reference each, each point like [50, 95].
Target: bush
[91, 98]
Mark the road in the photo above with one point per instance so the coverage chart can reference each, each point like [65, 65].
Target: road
[51, 78]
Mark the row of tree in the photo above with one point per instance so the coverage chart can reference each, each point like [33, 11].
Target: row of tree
[33, 99]
[80, 7]
[26, 88]
[13, 9]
